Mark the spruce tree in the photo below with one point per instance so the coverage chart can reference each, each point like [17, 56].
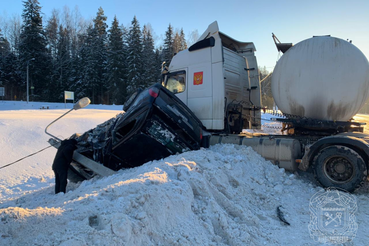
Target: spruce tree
[150, 67]
[4, 46]
[116, 69]
[94, 58]
[51, 33]
[183, 45]
[9, 77]
[100, 55]
[33, 52]
[168, 50]
[63, 61]
[158, 64]
[76, 31]
[135, 62]
[80, 66]
[89, 83]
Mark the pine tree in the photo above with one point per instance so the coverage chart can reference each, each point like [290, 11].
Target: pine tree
[4, 51]
[116, 67]
[158, 65]
[63, 61]
[33, 45]
[168, 49]
[183, 45]
[100, 54]
[100, 23]
[150, 67]
[125, 85]
[94, 59]
[76, 31]
[9, 78]
[52, 32]
[80, 64]
[89, 83]
[179, 42]
[135, 62]
[176, 43]
[4, 46]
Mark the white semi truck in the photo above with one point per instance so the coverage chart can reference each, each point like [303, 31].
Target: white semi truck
[319, 83]
[211, 92]
[218, 79]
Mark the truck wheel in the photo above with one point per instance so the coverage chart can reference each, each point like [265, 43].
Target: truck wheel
[341, 167]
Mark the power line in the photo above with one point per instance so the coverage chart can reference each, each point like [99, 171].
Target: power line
[25, 157]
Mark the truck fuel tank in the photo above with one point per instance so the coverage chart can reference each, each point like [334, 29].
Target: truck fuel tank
[282, 152]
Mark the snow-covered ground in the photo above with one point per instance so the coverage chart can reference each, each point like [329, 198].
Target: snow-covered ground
[225, 195]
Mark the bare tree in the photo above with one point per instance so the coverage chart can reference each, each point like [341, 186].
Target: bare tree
[52, 32]
[193, 37]
[266, 89]
[11, 29]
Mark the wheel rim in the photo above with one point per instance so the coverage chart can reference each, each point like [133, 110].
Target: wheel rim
[338, 169]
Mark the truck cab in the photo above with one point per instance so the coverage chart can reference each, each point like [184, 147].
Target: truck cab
[218, 79]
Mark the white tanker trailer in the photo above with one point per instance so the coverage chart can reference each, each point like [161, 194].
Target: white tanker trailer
[323, 78]
[319, 84]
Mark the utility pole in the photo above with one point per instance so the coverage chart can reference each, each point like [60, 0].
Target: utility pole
[32, 59]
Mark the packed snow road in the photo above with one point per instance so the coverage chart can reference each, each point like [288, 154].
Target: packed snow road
[225, 195]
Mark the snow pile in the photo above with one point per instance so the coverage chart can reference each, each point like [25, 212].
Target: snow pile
[222, 196]
[226, 195]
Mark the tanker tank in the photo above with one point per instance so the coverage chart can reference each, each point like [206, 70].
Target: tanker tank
[323, 78]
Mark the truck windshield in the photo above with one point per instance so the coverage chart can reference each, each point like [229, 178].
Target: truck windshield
[175, 82]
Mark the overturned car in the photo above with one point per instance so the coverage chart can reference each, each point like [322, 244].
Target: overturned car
[155, 124]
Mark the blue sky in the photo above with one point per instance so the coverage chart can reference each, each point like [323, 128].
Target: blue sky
[244, 20]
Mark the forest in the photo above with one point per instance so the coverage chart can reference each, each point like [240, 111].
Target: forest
[68, 53]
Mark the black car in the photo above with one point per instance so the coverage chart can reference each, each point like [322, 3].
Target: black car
[156, 124]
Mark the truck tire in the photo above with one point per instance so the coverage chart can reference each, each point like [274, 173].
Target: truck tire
[341, 167]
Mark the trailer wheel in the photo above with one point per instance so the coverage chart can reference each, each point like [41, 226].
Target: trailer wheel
[339, 166]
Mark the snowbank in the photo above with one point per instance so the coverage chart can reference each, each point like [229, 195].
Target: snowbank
[226, 195]
[222, 196]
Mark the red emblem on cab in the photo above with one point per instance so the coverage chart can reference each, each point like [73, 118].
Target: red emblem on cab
[197, 78]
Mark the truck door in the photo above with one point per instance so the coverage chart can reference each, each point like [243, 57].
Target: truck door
[200, 90]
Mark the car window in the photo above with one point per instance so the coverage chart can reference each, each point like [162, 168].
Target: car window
[176, 82]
